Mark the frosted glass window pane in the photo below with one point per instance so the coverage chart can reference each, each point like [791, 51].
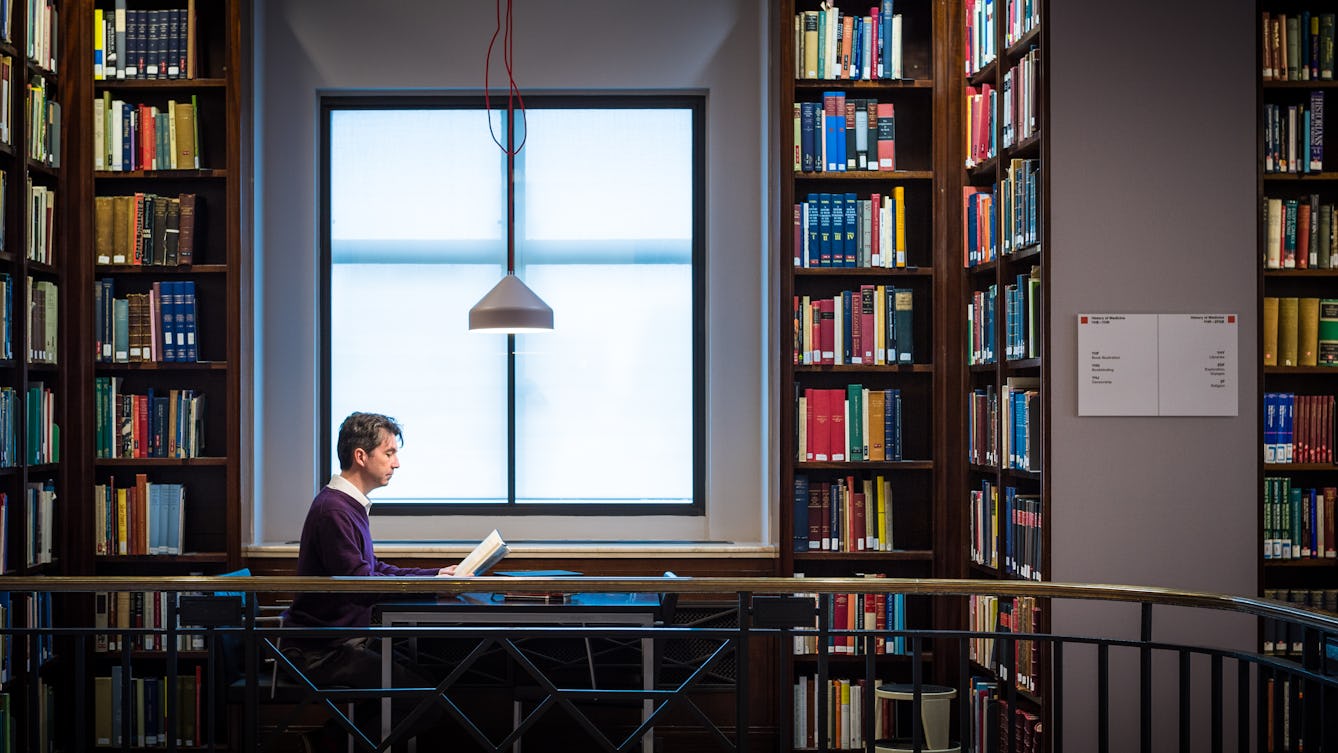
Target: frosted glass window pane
[415, 175]
[604, 402]
[391, 354]
[600, 174]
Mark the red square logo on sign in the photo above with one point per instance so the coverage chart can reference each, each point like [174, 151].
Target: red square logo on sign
[1082, 319]
[1231, 318]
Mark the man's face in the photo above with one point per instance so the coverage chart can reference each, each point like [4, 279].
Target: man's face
[380, 464]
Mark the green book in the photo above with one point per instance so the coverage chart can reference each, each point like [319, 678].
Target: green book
[1326, 32]
[855, 421]
[1293, 48]
[1327, 354]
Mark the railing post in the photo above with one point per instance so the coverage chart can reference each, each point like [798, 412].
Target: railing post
[823, 638]
[251, 709]
[1145, 681]
[173, 697]
[1216, 683]
[1057, 702]
[1103, 697]
[741, 662]
[80, 692]
[1186, 687]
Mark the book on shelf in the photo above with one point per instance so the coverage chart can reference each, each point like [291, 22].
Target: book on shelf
[1326, 333]
[489, 552]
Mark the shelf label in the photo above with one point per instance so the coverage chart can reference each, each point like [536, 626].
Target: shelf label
[1157, 365]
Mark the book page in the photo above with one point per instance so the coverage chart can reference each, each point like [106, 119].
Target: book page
[489, 552]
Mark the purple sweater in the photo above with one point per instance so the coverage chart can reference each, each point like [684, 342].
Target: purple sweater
[337, 540]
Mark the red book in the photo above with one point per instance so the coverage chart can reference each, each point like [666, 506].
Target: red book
[836, 425]
[887, 138]
[857, 521]
[875, 227]
[1303, 235]
[819, 442]
[841, 621]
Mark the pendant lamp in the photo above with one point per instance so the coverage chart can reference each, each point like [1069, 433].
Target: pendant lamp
[510, 306]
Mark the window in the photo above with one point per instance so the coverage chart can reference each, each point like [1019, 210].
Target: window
[603, 415]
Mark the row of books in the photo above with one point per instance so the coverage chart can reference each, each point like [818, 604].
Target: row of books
[1298, 428]
[1017, 615]
[843, 703]
[850, 424]
[40, 500]
[158, 325]
[1298, 46]
[1016, 445]
[130, 43]
[138, 610]
[1300, 331]
[979, 121]
[1006, 226]
[143, 707]
[981, 49]
[876, 615]
[42, 431]
[41, 218]
[1287, 639]
[9, 441]
[845, 515]
[830, 44]
[129, 136]
[1021, 100]
[871, 326]
[844, 230]
[169, 424]
[6, 109]
[996, 728]
[841, 134]
[1298, 522]
[1301, 234]
[1294, 136]
[1007, 536]
[146, 518]
[1022, 314]
[145, 229]
[42, 22]
[43, 320]
[43, 122]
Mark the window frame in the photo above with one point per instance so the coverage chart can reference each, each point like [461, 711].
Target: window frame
[696, 104]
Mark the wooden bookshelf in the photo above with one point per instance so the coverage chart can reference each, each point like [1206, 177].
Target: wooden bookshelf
[38, 349]
[1300, 268]
[920, 536]
[211, 530]
[209, 475]
[1003, 254]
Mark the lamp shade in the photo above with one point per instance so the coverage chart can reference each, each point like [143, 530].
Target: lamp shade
[510, 307]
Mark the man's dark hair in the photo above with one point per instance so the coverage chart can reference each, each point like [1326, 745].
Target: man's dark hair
[363, 430]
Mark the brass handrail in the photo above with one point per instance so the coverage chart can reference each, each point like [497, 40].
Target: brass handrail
[1155, 595]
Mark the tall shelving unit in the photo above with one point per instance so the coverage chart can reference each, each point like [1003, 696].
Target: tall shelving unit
[35, 355]
[1298, 287]
[821, 383]
[1003, 258]
[207, 76]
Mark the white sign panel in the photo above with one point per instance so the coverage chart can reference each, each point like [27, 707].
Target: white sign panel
[1196, 354]
[1117, 364]
[1157, 365]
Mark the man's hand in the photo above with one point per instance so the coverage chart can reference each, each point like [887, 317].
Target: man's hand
[445, 571]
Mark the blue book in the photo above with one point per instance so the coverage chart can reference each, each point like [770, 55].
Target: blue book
[824, 230]
[808, 113]
[850, 228]
[800, 531]
[186, 317]
[813, 257]
[1315, 123]
[834, 131]
[167, 319]
[885, 20]
[845, 337]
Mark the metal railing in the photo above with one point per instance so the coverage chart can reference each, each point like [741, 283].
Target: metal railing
[63, 663]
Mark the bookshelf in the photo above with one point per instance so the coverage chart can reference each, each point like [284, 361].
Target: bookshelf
[1004, 252]
[157, 192]
[1298, 284]
[862, 230]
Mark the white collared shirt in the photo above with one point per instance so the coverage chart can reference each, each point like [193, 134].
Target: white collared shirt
[341, 484]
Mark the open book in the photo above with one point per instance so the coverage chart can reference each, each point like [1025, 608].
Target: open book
[489, 552]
